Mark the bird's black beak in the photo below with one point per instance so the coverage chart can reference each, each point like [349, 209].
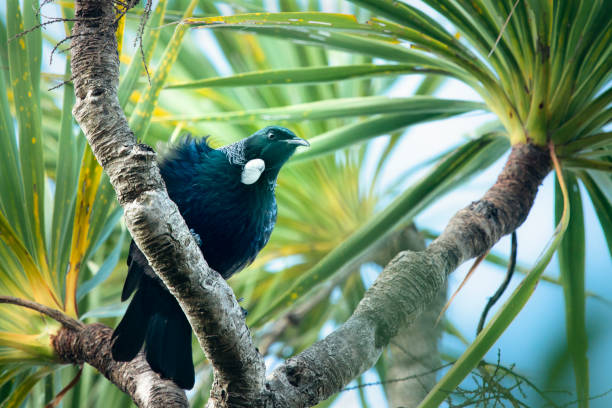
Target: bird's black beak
[297, 141]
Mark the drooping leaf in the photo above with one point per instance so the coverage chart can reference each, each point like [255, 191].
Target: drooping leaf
[25, 386]
[114, 310]
[66, 175]
[361, 131]
[602, 204]
[571, 255]
[11, 183]
[103, 272]
[33, 283]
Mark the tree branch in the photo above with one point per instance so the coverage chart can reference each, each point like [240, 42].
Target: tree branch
[92, 345]
[151, 217]
[407, 285]
[380, 253]
[77, 343]
[55, 314]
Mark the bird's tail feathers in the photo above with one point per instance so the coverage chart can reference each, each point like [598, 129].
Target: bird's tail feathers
[155, 318]
[130, 333]
[168, 348]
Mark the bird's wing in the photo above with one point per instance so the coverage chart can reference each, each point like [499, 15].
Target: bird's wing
[268, 225]
[136, 262]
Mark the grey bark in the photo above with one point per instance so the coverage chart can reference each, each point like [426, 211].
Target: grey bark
[402, 291]
[91, 344]
[380, 253]
[413, 351]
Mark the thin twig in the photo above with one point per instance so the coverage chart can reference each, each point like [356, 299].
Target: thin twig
[503, 28]
[502, 288]
[58, 398]
[394, 380]
[55, 314]
[531, 384]
[477, 262]
[42, 4]
[143, 21]
[37, 26]
[417, 359]
[68, 38]
[67, 81]
[591, 398]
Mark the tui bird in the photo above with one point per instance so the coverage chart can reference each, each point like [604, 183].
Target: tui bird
[226, 197]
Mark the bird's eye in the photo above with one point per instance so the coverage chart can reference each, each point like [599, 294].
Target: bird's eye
[271, 136]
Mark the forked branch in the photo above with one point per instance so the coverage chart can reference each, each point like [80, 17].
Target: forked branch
[405, 287]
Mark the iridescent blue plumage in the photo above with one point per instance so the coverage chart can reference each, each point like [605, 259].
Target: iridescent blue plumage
[233, 216]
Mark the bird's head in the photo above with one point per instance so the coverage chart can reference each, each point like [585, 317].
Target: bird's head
[274, 145]
[263, 153]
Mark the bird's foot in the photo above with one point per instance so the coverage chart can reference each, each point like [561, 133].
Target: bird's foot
[196, 236]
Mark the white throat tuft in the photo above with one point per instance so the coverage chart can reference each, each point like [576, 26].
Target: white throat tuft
[252, 170]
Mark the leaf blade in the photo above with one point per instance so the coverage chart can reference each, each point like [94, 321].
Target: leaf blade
[341, 107]
[571, 254]
[27, 109]
[305, 75]
[87, 188]
[603, 207]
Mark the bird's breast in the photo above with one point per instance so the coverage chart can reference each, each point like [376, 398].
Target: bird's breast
[234, 224]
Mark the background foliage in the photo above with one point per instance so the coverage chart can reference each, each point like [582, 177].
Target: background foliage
[328, 77]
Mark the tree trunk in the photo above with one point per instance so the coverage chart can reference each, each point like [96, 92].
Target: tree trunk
[414, 353]
[414, 350]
